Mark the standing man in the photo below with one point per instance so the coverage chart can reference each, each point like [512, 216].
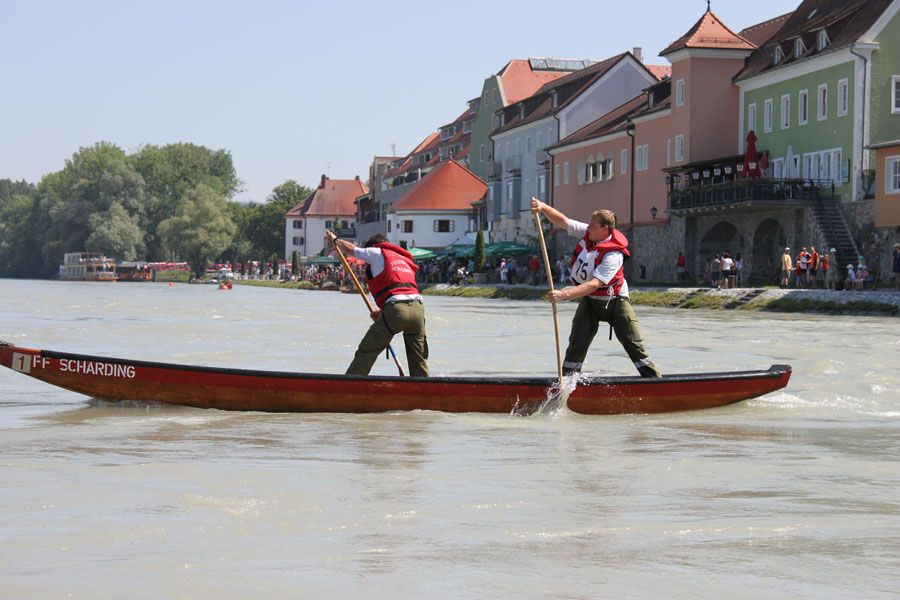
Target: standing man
[597, 271]
[681, 267]
[786, 268]
[391, 275]
[534, 265]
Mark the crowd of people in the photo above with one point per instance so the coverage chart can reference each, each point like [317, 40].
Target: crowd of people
[723, 271]
[809, 268]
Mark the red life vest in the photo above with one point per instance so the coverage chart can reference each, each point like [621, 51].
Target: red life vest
[590, 257]
[398, 276]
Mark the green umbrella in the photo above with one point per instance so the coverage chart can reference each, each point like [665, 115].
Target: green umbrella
[504, 248]
[421, 253]
[323, 260]
[465, 252]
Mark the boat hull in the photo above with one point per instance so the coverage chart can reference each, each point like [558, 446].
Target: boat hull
[269, 391]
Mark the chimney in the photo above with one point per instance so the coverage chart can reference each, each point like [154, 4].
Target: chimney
[322, 185]
[638, 54]
[357, 177]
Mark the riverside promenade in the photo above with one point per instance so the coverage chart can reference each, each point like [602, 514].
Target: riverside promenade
[885, 302]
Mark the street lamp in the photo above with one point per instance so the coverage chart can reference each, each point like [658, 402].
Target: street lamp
[653, 212]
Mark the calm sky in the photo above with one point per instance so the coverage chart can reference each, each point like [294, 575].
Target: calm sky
[292, 89]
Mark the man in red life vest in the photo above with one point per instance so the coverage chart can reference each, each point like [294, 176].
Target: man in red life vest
[391, 275]
[597, 271]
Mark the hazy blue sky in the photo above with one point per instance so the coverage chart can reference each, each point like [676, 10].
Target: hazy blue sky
[291, 89]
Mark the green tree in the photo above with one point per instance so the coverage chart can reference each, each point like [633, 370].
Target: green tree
[295, 264]
[115, 233]
[479, 252]
[201, 231]
[19, 247]
[171, 172]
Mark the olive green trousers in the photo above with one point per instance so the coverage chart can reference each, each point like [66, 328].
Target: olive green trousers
[406, 316]
[590, 312]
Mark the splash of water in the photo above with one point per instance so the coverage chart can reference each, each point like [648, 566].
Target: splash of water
[558, 395]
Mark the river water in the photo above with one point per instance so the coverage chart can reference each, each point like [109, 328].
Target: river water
[793, 495]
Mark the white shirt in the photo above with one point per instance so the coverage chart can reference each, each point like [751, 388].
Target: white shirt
[375, 258]
[608, 267]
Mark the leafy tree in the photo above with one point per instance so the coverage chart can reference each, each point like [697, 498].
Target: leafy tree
[479, 252]
[295, 264]
[202, 230]
[171, 172]
[115, 233]
[19, 247]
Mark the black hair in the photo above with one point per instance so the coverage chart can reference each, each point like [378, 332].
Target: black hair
[376, 239]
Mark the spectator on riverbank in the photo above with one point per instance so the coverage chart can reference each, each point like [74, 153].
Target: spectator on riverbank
[802, 267]
[786, 268]
[715, 271]
[534, 265]
[813, 267]
[895, 259]
[681, 267]
[727, 270]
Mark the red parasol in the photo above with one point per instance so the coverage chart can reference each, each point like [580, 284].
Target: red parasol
[751, 160]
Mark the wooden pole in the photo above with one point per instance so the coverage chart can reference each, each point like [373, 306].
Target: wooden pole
[332, 238]
[537, 222]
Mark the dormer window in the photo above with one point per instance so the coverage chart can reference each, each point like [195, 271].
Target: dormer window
[553, 99]
[799, 48]
[779, 55]
[823, 39]
[521, 112]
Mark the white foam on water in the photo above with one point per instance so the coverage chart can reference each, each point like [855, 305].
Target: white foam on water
[555, 404]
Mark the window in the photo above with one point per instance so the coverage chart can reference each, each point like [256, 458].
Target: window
[824, 165]
[624, 161]
[555, 175]
[528, 145]
[779, 55]
[327, 224]
[388, 226]
[679, 148]
[298, 241]
[298, 224]
[406, 226]
[803, 107]
[485, 97]
[679, 92]
[843, 97]
[495, 94]
[443, 225]
[823, 39]
[785, 111]
[822, 102]
[799, 48]
[767, 116]
[642, 158]
[668, 152]
[541, 186]
[895, 86]
[481, 153]
[566, 173]
[751, 117]
[509, 196]
[539, 146]
[892, 174]
[778, 168]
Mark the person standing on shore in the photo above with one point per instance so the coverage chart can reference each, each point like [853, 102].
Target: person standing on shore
[872, 262]
[391, 275]
[895, 259]
[597, 271]
[786, 268]
[813, 267]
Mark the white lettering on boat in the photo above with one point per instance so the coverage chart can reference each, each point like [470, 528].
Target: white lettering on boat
[88, 367]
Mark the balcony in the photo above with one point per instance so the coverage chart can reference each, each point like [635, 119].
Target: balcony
[495, 171]
[543, 157]
[513, 164]
[742, 193]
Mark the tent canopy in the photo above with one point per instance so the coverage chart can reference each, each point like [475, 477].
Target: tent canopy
[421, 253]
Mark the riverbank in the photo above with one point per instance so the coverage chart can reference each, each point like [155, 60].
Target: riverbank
[882, 303]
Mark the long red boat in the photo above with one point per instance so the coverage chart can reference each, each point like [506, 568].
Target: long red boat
[272, 391]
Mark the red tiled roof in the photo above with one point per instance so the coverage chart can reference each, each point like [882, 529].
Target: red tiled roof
[660, 71]
[539, 105]
[709, 32]
[449, 186]
[760, 33]
[521, 81]
[845, 21]
[332, 197]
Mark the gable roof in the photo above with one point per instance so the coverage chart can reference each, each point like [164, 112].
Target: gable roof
[448, 186]
[566, 88]
[619, 118]
[332, 197]
[520, 80]
[844, 22]
[709, 32]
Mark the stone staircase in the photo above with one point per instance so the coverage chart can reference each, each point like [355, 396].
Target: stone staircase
[835, 230]
[744, 298]
[685, 298]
